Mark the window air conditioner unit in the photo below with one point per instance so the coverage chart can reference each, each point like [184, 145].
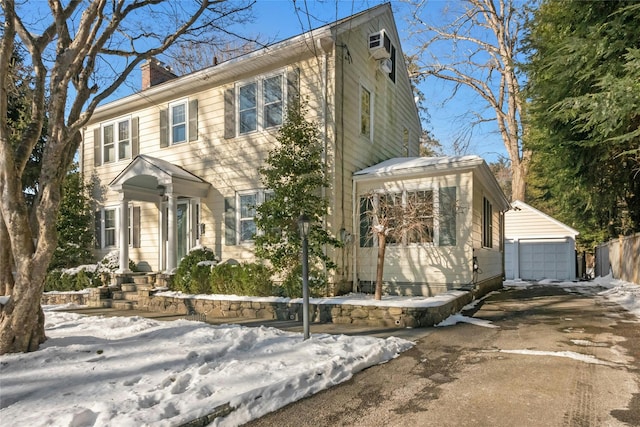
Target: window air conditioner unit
[386, 66]
[380, 45]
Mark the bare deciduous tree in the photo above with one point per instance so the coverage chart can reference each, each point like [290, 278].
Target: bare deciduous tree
[190, 56]
[475, 47]
[81, 53]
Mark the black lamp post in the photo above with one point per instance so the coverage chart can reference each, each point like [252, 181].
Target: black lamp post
[303, 228]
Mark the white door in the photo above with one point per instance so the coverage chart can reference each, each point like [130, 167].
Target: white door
[545, 260]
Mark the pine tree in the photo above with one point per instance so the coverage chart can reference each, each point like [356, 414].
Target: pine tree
[74, 225]
[295, 175]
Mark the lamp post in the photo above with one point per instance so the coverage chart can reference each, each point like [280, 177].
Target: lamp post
[303, 228]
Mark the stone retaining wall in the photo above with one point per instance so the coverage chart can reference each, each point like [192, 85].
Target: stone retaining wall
[386, 317]
[361, 315]
[65, 298]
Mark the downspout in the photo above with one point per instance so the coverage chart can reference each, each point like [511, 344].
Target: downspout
[325, 44]
[356, 244]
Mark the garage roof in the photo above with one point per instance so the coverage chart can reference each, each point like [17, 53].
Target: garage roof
[525, 221]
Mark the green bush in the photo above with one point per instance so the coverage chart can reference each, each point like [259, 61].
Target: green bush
[61, 281]
[250, 279]
[192, 275]
[292, 284]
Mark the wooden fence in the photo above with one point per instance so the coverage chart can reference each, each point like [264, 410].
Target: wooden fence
[621, 258]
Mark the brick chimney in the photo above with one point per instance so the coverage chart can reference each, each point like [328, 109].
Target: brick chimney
[154, 72]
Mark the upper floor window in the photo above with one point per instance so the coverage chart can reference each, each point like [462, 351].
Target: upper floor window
[365, 112]
[178, 118]
[116, 140]
[260, 104]
[179, 122]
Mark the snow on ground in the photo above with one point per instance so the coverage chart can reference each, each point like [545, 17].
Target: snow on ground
[133, 371]
[586, 358]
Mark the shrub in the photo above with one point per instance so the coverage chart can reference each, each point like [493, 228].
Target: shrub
[292, 284]
[192, 275]
[61, 280]
[84, 276]
[250, 279]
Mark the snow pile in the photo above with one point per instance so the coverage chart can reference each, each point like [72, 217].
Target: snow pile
[624, 293]
[132, 371]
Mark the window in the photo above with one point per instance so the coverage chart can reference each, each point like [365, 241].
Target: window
[116, 140]
[420, 204]
[365, 112]
[272, 101]
[109, 227]
[487, 223]
[178, 117]
[240, 213]
[248, 204]
[179, 122]
[248, 104]
[424, 217]
[261, 104]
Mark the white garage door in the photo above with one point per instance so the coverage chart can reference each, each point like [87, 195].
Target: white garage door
[540, 260]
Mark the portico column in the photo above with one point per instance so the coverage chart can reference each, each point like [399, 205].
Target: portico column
[124, 235]
[172, 205]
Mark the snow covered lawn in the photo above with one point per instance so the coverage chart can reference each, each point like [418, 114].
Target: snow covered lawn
[132, 371]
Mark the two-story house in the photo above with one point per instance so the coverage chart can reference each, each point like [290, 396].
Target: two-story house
[177, 163]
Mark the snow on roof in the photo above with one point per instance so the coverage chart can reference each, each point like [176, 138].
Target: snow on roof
[406, 164]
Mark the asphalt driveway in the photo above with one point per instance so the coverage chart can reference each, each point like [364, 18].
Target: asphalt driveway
[554, 358]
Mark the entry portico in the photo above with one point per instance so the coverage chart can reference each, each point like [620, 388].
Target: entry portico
[149, 179]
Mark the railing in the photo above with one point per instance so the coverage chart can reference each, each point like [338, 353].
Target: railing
[621, 258]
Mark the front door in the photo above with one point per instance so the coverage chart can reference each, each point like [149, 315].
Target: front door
[187, 224]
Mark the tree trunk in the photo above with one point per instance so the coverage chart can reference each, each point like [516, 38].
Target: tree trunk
[382, 246]
[22, 319]
[6, 262]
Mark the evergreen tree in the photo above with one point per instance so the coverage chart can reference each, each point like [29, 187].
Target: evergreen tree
[584, 87]
[75, 224]
[296, 176]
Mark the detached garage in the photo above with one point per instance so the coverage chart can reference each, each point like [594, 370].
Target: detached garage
[537, 246]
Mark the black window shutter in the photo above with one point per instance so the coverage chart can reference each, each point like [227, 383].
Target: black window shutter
[392, 74]
[164, 128]
[135, 143]
[135, 223]
[98, 229]
[293, 88]
[97, 147]
[193, 120]
[230, 221]
[229, 114]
